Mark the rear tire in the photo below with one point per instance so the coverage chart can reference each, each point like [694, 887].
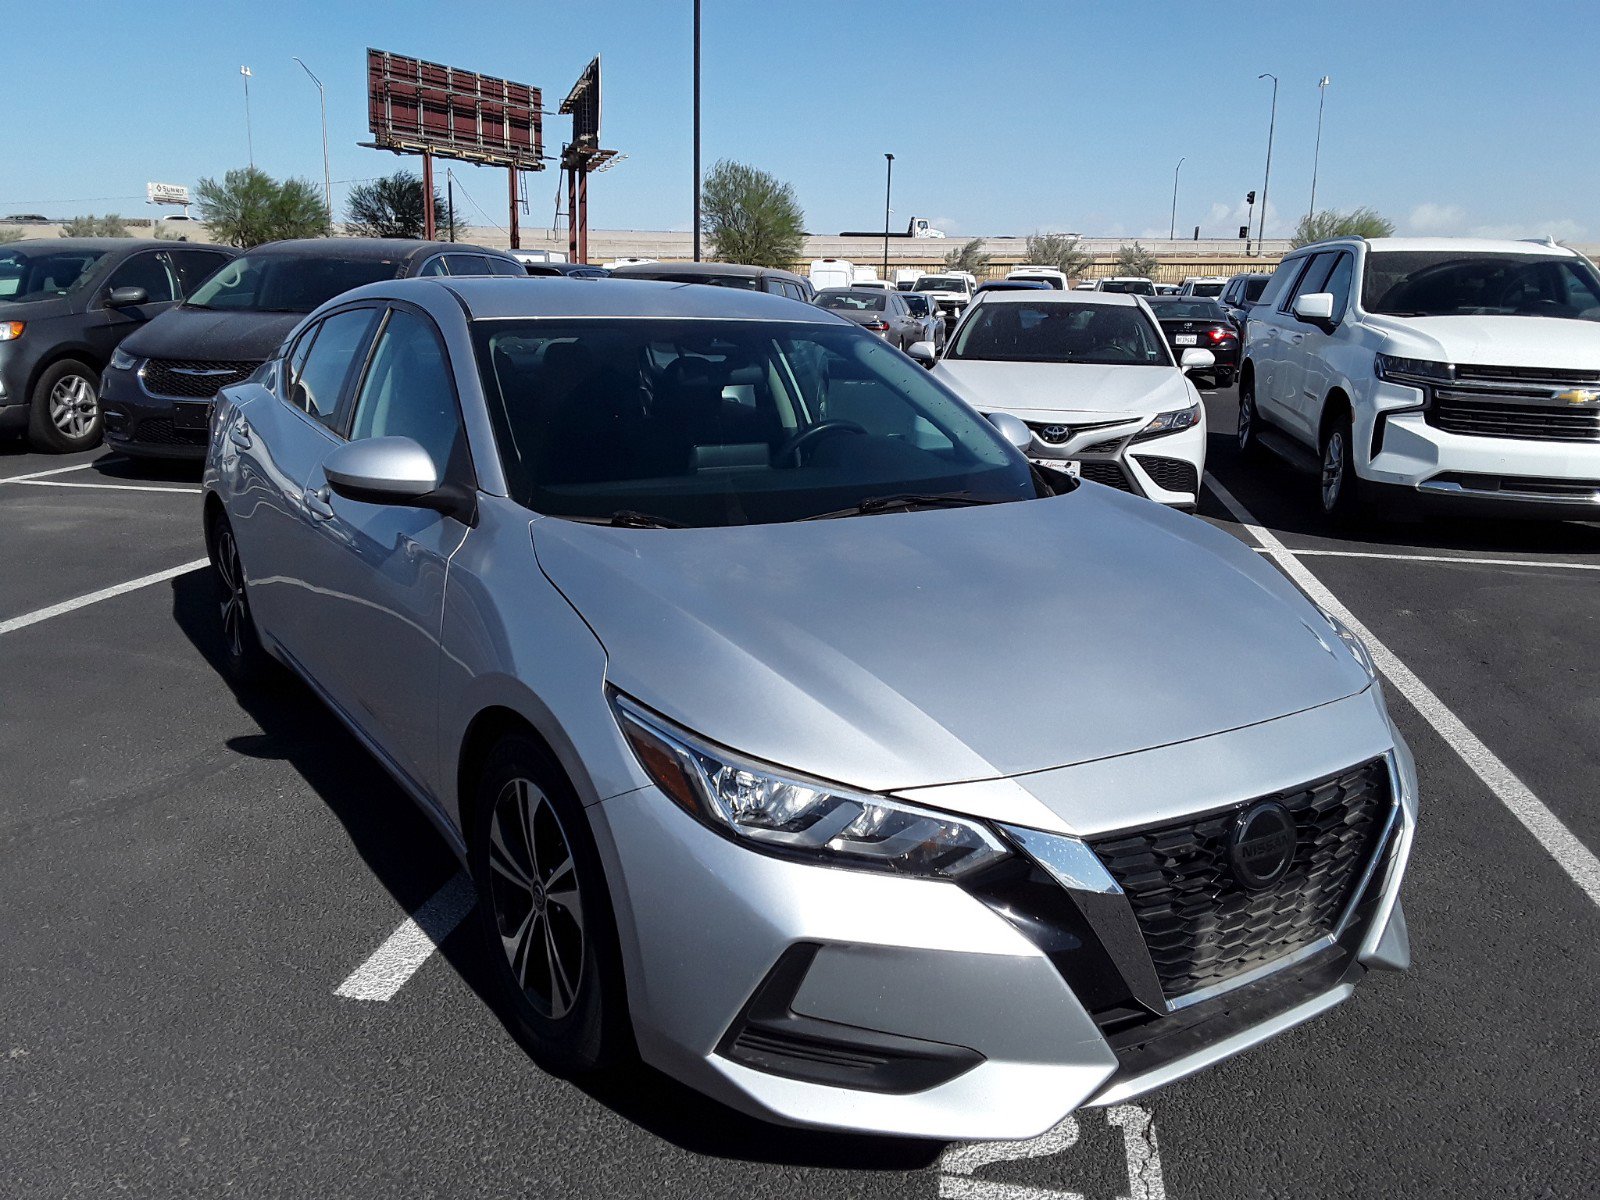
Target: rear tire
[545, 912]
[64, 416]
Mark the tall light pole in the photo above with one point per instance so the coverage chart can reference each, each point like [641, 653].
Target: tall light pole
[1172, 230]
[1322, 95]
[249, 137]
[327, 177]
[697, 130]
[1261, 230]
[888, 187]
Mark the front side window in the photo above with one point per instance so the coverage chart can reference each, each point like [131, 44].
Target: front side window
[409, 391]
[146, 271]
[1310, 280]
[1104, 334]
[917, 304]
[335, 354]
[27, 277]
[1338, 285]
[726, 422]
[1447, 283]
[1272, 286]
[287, 282]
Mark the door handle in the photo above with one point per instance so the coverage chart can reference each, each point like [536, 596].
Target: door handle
[317, 500]
[1297, 339]
[239, 434]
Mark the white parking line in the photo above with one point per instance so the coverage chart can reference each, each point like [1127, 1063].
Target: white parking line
[408, 947]
[1442, 558]
[109, 487]
[42, 474]
[960, 1162]
[1576, 859]
[66, 606]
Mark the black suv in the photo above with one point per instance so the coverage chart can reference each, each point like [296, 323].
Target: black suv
[65, 306]
[158, 388]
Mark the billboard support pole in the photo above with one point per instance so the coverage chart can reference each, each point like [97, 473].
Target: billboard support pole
[583, 216]
[572, 216]
[516, 233]
[428, 230]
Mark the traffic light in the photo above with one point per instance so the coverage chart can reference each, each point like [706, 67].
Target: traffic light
[1244, 231]
[1249, 197]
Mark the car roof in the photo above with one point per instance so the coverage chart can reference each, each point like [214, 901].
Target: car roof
[742, 270]
[1051, 296]
[1479, 245]
[392, 249]
[489, 297]
[111, 243]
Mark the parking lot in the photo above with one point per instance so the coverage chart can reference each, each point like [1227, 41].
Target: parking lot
[222, 972]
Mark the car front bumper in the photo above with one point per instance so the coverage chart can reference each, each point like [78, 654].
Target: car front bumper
[143, 425]
[800, 993]
[1167, 469]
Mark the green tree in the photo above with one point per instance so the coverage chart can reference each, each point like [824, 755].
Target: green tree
[392, 207]
[751, 217]
[968, 257]
[1060, 251]
[1136, 260]
[110, 225]
[1358, 222]
[250, 207]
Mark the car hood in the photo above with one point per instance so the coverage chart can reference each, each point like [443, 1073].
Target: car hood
[1049, 389]
[912, 649]
[1493, 341]
[212, 334]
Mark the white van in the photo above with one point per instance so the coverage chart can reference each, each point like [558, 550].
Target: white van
[831, 273]
[1056, 279]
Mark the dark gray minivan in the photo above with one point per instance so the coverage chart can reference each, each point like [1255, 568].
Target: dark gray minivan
[65, 306]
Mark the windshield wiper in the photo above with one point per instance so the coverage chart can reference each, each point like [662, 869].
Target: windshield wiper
[904, 501]
[627, 518]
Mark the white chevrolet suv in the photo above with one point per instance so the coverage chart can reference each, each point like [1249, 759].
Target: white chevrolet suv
[1442, 372]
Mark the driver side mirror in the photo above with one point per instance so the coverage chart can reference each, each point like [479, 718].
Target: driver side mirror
[127, 297]
[1316, 307]
[923, 352]
[1012, 429]
[394, 471]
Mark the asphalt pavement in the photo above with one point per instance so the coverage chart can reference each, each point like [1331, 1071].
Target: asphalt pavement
[190, 877]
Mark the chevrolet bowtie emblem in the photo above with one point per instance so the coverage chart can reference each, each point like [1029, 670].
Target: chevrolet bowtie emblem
[1578, 396]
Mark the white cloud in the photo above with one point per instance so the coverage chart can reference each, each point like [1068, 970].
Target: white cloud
[1429, 219]
[1451, 220]
[1563, 229]
[948, 225]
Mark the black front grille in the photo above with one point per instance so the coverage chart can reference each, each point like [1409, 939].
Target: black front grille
[191, 379]
[1555, 377]
[1173, 474]
[1504, 416]
[1109, 473]
[1201, 927]
[158, 431]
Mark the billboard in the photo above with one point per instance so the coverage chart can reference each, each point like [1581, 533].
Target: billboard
[416, 106]
[166, 193]
[583, 103]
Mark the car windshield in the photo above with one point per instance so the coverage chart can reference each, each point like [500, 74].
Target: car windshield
[1132, 287]
[26, 276]
[1185, 310]
[1002, 331]
[1448, 283]
[940, 283]
[709, 423]
[851, 301]
[287, 282]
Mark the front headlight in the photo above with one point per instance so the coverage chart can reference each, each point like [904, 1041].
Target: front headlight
[789, 815]
[1170, 422]
[1358, 648]
[121, 360]
[1412, 371]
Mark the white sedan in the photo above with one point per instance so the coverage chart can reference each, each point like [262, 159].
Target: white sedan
[1091, 375]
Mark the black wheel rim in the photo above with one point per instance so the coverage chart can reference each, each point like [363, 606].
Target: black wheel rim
[1246, 418]
[230, 580]
[533, 887]
[1333, 470]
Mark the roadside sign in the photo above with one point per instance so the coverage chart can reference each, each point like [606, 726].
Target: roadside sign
[167, 193]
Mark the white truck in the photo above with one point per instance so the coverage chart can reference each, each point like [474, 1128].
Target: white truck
[950, 291]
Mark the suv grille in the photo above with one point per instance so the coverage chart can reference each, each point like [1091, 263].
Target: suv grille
[1173, 474]
[158, 431]
[1201, 927]
[193, 380]
[1516, 402]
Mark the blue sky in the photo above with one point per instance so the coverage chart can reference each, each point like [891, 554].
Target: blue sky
[1005, 116]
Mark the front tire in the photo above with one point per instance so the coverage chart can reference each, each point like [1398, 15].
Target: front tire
[1339, 487]
[244, 659]
[64, 416]
[544, 911]
[1249, 434]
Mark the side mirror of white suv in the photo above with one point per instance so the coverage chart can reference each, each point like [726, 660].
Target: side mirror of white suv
[1315, 306]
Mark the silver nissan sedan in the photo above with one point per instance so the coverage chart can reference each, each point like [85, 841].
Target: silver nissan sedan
[800, 737]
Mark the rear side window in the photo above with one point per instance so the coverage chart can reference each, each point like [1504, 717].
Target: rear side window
[467, 264]
[336, 352]
[505, 266]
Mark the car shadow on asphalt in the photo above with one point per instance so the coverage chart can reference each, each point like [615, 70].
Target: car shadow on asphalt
[411, 860]
[121, 467]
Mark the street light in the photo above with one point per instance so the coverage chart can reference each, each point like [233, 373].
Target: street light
[249, 137]
[327, 177]
[1261, 230]
[697, 130]
[1172, 230]
[888, 186]
[1322, 95]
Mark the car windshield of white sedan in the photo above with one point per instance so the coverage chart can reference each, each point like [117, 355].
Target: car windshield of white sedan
[1103, 334]
[25, 277]
[702, 423]
[287, 282]
[1445, 283]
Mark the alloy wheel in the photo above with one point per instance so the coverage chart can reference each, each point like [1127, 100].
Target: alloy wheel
[73, 406]
[533, 888]
[230, 574]
[1332, 470]
[1247, 406]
